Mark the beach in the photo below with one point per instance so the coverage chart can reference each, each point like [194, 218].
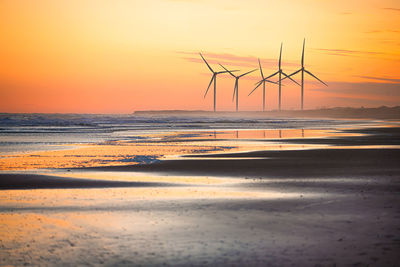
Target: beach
[200, 133]
[230, 191]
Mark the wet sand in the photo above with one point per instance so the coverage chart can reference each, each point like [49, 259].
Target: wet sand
[34, 181]
[281, 164]
[319, 207]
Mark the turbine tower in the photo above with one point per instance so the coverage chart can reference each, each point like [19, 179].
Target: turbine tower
[262, 81]
[302, 69]
[213, 78]
[280, 72]
[236, 88]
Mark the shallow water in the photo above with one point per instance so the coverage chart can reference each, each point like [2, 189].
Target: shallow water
[30, 141]
[38, 132]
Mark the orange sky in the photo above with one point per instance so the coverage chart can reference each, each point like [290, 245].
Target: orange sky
[121, 56]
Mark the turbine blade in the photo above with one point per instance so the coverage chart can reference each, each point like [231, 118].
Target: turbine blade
[247, 73]
[271, 81]
[255, 88]
[280, 56]
[226, 70]
[212, 79]
[234, 91]
[259, 82]
[315, 77]
[294, 73]
[272, 75]
[259, 64]
[206, 62]
[287, 76]
[290, 75]
[219, 72]
[302, 55]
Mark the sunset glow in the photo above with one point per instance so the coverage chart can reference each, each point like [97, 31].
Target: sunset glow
[122, 56]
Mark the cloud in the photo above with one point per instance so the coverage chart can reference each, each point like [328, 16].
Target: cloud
[392, 80]
[357, 101]
[391, 42]
[217, 62]
[354, 93]
[383, 31]
[358, 53]
[235, 60]
[346, 52]
[392, 9]
[381, 93]
[345, 13]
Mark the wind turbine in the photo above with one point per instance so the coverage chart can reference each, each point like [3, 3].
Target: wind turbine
[236, 88]
[302, 69]
[280, 72]
[262, 81]
[213, 78]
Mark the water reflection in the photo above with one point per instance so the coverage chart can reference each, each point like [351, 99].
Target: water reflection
[160, 145]
[267, 134]
[259, 134]
[112, 197]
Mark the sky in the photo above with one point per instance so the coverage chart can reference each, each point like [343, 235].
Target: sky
[103, 56]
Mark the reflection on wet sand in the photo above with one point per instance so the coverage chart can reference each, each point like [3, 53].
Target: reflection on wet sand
[146, 178]
[163, 145]
[119, 153]
[260, 134]
[56, 225]
[113, 197]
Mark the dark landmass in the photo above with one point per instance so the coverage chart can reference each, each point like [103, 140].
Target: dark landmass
[339, 112]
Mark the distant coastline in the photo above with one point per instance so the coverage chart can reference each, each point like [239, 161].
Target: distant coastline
[382, 112]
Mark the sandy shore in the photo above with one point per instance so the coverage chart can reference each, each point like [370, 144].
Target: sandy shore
[322, 207]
